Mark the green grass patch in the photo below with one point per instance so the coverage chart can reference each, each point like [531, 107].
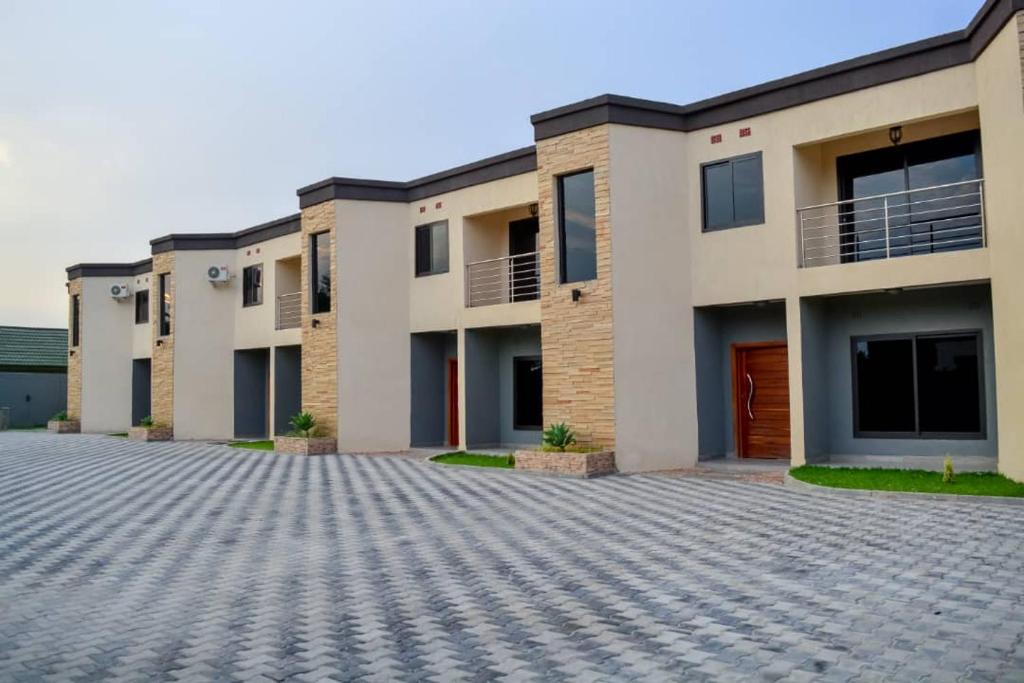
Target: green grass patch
[123, 435]
[917, 481]
[266, 445]
[476, 459]
[40, 428]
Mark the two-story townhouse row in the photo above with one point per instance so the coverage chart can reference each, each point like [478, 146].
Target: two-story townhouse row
[826, 267]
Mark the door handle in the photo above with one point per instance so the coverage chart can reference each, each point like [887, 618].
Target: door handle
[750, 396]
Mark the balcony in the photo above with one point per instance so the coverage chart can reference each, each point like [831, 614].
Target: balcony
[289, 311]
[503, 280]
[925, 220]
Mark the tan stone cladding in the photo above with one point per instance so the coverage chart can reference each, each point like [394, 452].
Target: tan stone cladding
[569, 464]
[297, 445]
[576, 337]
[74, 407]
[1020, 35]
[320, 343]
[162, 364]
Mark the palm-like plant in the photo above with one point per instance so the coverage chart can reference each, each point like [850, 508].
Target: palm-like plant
[559, 436]
[304, 423]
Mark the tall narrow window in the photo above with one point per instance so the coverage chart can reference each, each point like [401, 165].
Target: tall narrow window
[732, 192]
[141, 306]
[165, 304]
[432, 248]
[320, 271]
[527, 390]
[577, 227]
[75, 320]
[252, 285]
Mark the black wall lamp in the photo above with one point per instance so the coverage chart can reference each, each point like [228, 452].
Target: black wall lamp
[577, 294]
[533, 210]
[895, 134]
[159, 342]
[315, 322]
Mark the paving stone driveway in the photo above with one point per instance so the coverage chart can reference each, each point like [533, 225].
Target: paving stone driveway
[191, 561]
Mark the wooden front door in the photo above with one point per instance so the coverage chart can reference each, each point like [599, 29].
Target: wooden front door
[453, 402]
[760, 374]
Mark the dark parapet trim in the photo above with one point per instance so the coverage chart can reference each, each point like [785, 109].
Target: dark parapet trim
[878, 68]
[486, 170]
[227, 240]
[109, 269]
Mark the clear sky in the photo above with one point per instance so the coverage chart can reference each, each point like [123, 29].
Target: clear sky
[124, 121]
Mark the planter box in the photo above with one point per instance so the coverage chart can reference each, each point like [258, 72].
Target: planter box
[64, 426]
[569, 464]
[150, 433]
[298, 445]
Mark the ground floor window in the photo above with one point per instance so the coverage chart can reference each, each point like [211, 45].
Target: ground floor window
[528, 393]
[918, 385]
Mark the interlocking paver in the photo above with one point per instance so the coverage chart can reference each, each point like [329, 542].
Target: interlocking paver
[189, 561]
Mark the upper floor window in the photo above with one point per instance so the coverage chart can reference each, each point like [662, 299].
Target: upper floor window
[165, 304]
[141, 306]
[320, 271]
[432, 248]
[75, 320]
[577, 227]
[252, 285]
[732, 192]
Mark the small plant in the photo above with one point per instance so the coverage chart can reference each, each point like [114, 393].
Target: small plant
[947, 471]
[146, 422]
[559, 437]
[62, 416]
[303, 424]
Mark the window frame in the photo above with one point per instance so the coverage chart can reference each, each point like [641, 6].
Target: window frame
[163, 321]
[314, 274]
[980, 435]
[560, 224]
[429, 228]
[731, 161]
[247, 284]
[76, 320]
[144, 309]
[516, 424]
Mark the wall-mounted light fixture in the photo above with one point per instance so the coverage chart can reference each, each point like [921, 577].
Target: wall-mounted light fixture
[533, 210]
[895, 134]
[159, 342]
[315, 322]
[577, 294]
[71, 352]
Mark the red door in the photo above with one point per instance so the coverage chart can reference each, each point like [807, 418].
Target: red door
[453, 402]
[761, 399]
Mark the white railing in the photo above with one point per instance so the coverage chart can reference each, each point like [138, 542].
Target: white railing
[289, 311]
[503, 280]
[921, 221]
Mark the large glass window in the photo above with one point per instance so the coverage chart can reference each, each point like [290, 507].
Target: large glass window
[919, 386]
[252, 285]
[141, 306]
[577, 227]
[320, 271]
[432, 248]
[527, 390]
[75, 320]
[733, 192]
[165, 304]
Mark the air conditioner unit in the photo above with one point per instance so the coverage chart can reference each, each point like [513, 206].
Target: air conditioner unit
[217, 274]
[120, 291]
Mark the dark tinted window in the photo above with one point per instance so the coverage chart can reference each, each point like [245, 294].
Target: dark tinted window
[141, 306]
[577, 227]
[527, 393]
[885, 385]
[949, 391]
[252, 285]
[432, 248]
[75, 324]
[165, 305]
[733, 192]
[320, 272]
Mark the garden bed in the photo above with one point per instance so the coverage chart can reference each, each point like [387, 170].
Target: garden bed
[263, 445]
[908, 481]
[475, 460]
[64, 426]
[150, 434]
[573, 464]
[300, 445]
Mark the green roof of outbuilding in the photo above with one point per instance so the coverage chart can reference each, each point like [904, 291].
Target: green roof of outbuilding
[33, 347]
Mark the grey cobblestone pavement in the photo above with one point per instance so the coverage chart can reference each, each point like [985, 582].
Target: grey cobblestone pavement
[193, 562]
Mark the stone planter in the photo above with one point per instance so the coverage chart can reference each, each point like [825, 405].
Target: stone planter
[593, 464]
[150, 433]
[299, 445]
[64, 426]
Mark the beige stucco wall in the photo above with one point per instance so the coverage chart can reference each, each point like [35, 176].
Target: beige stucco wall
[142, 335]
[655, 376]
[106, 357]
[254, 325]
[203, 348]
[373, 327]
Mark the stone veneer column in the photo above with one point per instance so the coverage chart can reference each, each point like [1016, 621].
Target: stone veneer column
[74, 401]
[320, 343]
[576, 337]
[162, 363]
[1020, 35]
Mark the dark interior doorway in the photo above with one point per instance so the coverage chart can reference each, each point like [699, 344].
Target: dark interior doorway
[252, 379]
[141, 382]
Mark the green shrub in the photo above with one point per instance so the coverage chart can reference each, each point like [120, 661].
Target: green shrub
[147, 422]
[947, 471]
[62, 416]
[304, 425]
[559, 436]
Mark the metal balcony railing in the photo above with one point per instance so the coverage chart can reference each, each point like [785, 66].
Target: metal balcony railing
[289, 311]
[920, 221]
[503, 280]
